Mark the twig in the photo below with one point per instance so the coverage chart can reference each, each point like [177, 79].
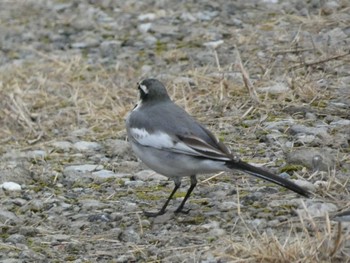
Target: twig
[312, 63]
[338, 241]
[247, 83]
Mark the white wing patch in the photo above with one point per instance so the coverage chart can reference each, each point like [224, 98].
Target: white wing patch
[161, 140]
[157, 140]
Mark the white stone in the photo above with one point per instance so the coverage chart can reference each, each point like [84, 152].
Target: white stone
[11, 186]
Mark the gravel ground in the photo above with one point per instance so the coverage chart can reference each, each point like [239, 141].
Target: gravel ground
[71, 189]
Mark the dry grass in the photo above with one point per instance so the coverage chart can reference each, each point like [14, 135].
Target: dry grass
[310, 241]
[53, 98]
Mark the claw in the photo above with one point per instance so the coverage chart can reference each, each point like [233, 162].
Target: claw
[154, 214]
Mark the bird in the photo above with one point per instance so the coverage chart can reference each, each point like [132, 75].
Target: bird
[173, 143]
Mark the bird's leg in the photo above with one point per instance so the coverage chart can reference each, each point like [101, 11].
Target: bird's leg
[192, 186]
[163, 209]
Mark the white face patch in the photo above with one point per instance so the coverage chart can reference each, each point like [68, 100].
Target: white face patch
[144, 88]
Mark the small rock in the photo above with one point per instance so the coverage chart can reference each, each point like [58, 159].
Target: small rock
[149, 175]
[11, 186]
[15, 239]
[109, 174]
[284, 175]
[83, 168]
[130, 235]
[129, 206]
[84, 146]
[163, 219]
[306, 185]
[110, 48]
[135, 183]
[217, 232]
[31, 256]
[117, 148]
[145, 27]
[258, 223]
[62, 145]
[37, 154]
[89, 204]
[99, 218]
[5, 216]
[61, 237]
[214, 44]
[298, 128]
[306, 157]
[206, 15]
[148, 16]
[278, 125]
[277, 88]
[227, 206]
[342, 122]
[317, 209]
[36, 205]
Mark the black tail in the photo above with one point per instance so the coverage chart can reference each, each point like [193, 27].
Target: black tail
[268, 176]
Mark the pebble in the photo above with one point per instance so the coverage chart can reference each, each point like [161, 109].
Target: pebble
[306, 185]
[149, 175]
[83, 168]
[213, 44]
[16, 239]
[7, 216]
[316, 209]
[109, 174]
[62, 145]
[277, 88]
[85, 146]
[11, 186]
[306, 157]
[145, 27]
[130, 235]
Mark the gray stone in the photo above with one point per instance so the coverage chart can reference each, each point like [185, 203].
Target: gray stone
[306, 185]
[64, 146]
[149, 175]
[11, 186]
[317, 209]
[7, 215]
[84, 146]
[36, 205]
[277, 88]
[228, 206]
[15, 239]
[320, 131]
[83, 168]
[109, 174]
[118, 148]
[37, 154]
[306, 157]
[110, 48]
[130, 235]
[342, 122]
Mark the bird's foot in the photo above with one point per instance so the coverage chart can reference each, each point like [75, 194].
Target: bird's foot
[181, 210]
[154, 214]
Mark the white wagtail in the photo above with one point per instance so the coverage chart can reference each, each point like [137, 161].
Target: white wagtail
[172, 143]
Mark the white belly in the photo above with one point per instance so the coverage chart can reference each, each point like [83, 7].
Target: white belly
[173, 164]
